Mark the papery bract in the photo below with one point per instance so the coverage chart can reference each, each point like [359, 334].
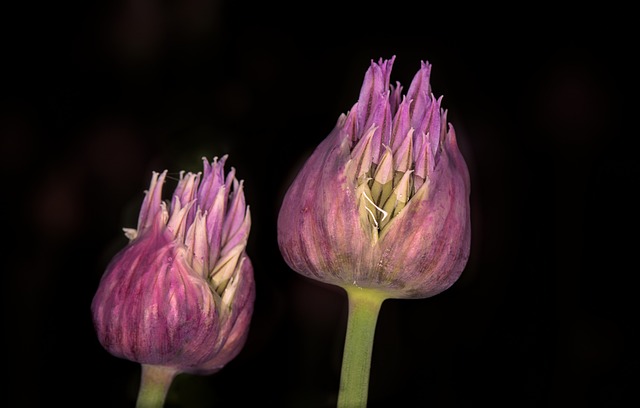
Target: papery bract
[383, 201]
[181, 293]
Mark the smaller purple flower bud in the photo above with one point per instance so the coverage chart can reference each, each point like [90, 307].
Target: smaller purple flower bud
[181, 293]
[383, 201]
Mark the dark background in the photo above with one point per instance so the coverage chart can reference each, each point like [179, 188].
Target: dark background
[96, 96]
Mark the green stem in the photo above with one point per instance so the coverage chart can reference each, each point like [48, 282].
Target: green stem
[154, 385]
[364, 307]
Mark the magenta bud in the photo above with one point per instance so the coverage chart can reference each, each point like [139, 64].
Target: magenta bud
[181, 293]
[383, 201]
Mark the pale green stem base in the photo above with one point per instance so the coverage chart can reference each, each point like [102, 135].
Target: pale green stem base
[364, 307]
[154, 385]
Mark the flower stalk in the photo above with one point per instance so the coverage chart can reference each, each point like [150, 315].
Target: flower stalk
[364, 308]
[154, 385]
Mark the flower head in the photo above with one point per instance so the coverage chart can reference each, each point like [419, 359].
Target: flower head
[383, 201]
[181, 293]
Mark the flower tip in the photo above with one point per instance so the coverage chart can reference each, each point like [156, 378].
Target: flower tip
[451, 135]
[383, 61]
[130, 233]
[216, 160]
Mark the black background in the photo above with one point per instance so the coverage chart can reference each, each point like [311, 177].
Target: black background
[96, 96]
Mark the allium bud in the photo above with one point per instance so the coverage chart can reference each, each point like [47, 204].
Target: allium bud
[181, 293]
[383, 201]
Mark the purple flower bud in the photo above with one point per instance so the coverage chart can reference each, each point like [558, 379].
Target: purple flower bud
[383, 201]
[181, 293]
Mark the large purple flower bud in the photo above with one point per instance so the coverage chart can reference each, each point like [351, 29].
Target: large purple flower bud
[181, 293]
[383, 201]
